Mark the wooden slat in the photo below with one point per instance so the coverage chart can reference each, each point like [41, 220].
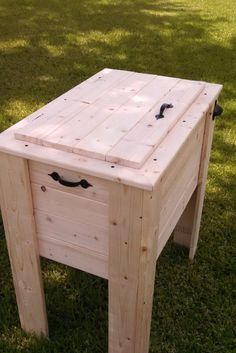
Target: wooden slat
[17, 212]
[149, 132]
[90, 236]
[74, 256]
[187, 229]
[100, 141]
[39, 175]
[166, 152]
[177, 210]
[69, 134]
[69, 206]
[183, 168]
[178, 183]
[56, 114]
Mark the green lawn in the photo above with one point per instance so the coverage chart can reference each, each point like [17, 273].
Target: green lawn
[47, 47]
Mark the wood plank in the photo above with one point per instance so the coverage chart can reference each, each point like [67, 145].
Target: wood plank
[99, 142]
[69, 206]
[149, 132]
[19, 225]
[72, 255]
[66, 107]
[132, 251]
[169, 226]
[178, 184]
[39, 175]
[89, 236]
[68, 135]
[187, 230]
[175, 141]
[183, 168]
[150, 234]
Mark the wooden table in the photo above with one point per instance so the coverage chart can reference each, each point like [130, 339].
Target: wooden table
[99, 179]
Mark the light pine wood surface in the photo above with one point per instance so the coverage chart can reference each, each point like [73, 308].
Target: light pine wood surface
[187, 230]
[19, 225]
[134, 224]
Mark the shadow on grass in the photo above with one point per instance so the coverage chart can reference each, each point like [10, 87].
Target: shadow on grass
[50, 47]
[47, 48]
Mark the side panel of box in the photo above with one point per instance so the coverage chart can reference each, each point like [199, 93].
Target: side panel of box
[178, 184]
[71, 223]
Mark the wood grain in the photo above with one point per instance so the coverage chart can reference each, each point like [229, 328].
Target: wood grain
[188, 227]
[39, 175]
[132, 259]
[19, 224]
[72, 255]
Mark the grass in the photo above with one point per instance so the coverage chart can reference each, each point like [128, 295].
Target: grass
[47, 47]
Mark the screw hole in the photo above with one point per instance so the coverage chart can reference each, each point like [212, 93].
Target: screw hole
[26, 145]
[112, 166]
[155, 159]
[184, 121]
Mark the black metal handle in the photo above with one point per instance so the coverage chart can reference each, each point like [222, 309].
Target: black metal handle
[71, 184]
[218, 110]
[163, 107]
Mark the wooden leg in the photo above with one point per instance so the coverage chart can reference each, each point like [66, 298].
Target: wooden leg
[17, 212]
[132, 263]
[187, 229]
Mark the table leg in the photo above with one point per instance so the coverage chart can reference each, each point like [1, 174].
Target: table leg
[19, 225]
[132, 265]
[187, 229]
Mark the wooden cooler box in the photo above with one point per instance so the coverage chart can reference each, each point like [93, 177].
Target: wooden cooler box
[99, 179]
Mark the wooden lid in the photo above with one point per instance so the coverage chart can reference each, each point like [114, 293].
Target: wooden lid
[112, 116]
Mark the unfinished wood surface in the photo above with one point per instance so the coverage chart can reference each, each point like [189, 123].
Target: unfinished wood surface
[177, 210]
[87, 235]
[120, 125]
[178, 184]
[187, 229]
[19, 224]
[73, 255]
[65, 107]
[145, 177]
[147, 134]
[39, 175]
[134, 219]
[184, 168]
[75, 130]
[101, 140]
[68, 206]
[64, 129]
